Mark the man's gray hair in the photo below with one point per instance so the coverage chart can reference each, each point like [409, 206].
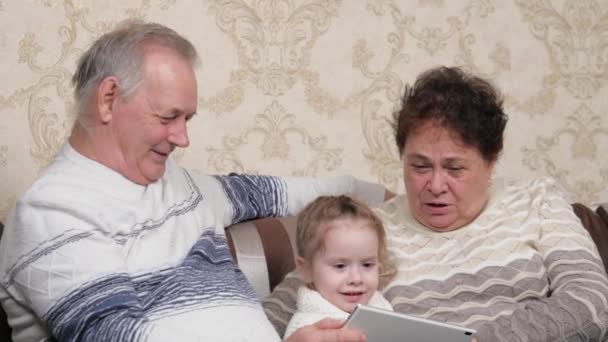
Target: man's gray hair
[120, 53]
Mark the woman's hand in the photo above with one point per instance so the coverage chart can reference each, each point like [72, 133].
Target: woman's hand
[326, 330]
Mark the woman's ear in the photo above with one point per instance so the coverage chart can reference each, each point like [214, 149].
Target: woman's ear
[304, 269]
[490, 171]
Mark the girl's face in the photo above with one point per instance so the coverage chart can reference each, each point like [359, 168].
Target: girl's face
[345, 272]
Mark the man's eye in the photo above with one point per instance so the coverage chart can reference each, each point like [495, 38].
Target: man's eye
[167, 119]
[455, 168]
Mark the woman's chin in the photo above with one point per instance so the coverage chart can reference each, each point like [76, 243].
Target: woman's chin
[438, 223]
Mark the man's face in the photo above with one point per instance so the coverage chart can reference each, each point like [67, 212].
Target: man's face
[446, 181]
[345, 272]
[148, 125]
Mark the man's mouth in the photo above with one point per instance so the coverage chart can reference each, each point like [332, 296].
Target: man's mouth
[160, 153]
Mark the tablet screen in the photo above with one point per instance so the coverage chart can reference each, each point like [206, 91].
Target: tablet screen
[387, 326]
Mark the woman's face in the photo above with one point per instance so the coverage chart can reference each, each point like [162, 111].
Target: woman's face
[446, 181]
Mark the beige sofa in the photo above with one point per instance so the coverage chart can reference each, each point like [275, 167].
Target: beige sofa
[265, 249]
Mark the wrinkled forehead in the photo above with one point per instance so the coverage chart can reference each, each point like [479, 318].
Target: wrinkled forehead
[436, 131]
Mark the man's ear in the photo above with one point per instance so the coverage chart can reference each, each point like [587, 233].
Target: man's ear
[107, 95]
[304, 269]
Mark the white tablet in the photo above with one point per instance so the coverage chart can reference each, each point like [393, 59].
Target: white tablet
[387, 326]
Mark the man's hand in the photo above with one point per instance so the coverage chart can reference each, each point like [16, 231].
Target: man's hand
[326, 330]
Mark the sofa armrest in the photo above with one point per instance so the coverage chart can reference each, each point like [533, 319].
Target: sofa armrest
[602, 212]
[5, 329]
[596, 224]
[264, 249]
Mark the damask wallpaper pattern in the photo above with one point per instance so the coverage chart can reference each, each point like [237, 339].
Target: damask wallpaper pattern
[308, 87]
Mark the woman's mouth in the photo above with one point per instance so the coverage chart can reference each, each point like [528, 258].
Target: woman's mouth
[436, 208]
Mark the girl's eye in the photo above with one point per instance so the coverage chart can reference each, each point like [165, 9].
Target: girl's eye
[339, 266]
[369, 264]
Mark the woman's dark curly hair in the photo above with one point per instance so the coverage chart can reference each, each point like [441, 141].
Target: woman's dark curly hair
[463, 103]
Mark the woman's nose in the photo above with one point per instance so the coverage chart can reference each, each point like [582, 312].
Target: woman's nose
[437, 183]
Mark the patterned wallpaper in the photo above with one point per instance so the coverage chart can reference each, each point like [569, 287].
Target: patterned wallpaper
[306, 87]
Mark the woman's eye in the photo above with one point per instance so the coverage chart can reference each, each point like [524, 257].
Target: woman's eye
[421, 167]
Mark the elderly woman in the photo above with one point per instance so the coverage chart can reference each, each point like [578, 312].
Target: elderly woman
[509, 259]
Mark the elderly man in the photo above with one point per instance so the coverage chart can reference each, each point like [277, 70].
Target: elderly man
[115, 242]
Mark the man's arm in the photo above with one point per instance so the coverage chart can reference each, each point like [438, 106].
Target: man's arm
[302, 191]
[238, 197]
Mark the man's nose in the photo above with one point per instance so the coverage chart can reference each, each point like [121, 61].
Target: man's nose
[179, 133]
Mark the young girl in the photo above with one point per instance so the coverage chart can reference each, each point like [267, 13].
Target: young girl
[341, 258]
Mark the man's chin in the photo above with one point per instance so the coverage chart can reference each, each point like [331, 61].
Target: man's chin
[153, 177]
[149, 176]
